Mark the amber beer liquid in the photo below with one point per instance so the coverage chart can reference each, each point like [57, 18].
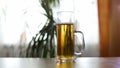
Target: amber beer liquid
[65, 41]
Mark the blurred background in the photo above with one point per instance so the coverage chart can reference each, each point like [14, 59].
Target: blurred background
[20, 20]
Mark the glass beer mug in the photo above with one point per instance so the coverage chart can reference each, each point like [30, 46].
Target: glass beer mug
[70, 43]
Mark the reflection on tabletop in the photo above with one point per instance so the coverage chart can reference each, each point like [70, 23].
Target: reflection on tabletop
[65, 65]
[82, 62]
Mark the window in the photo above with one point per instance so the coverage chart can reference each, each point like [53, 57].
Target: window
[21, 19]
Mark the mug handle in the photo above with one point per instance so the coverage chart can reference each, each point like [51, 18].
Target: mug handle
[79, 43]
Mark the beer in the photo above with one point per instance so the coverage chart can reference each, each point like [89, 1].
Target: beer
[65, 41]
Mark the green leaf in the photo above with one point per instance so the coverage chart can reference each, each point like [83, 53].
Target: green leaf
[38, 46]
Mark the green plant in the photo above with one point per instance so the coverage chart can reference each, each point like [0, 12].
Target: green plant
[42, 45]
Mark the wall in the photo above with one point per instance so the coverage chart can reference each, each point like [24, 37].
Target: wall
[114, 28]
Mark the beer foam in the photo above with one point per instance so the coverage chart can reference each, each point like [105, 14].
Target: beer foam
[66, 23]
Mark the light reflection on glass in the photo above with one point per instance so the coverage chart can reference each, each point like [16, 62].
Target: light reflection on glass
[65, 65]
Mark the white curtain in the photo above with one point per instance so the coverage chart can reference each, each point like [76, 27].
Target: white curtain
[19, 20]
